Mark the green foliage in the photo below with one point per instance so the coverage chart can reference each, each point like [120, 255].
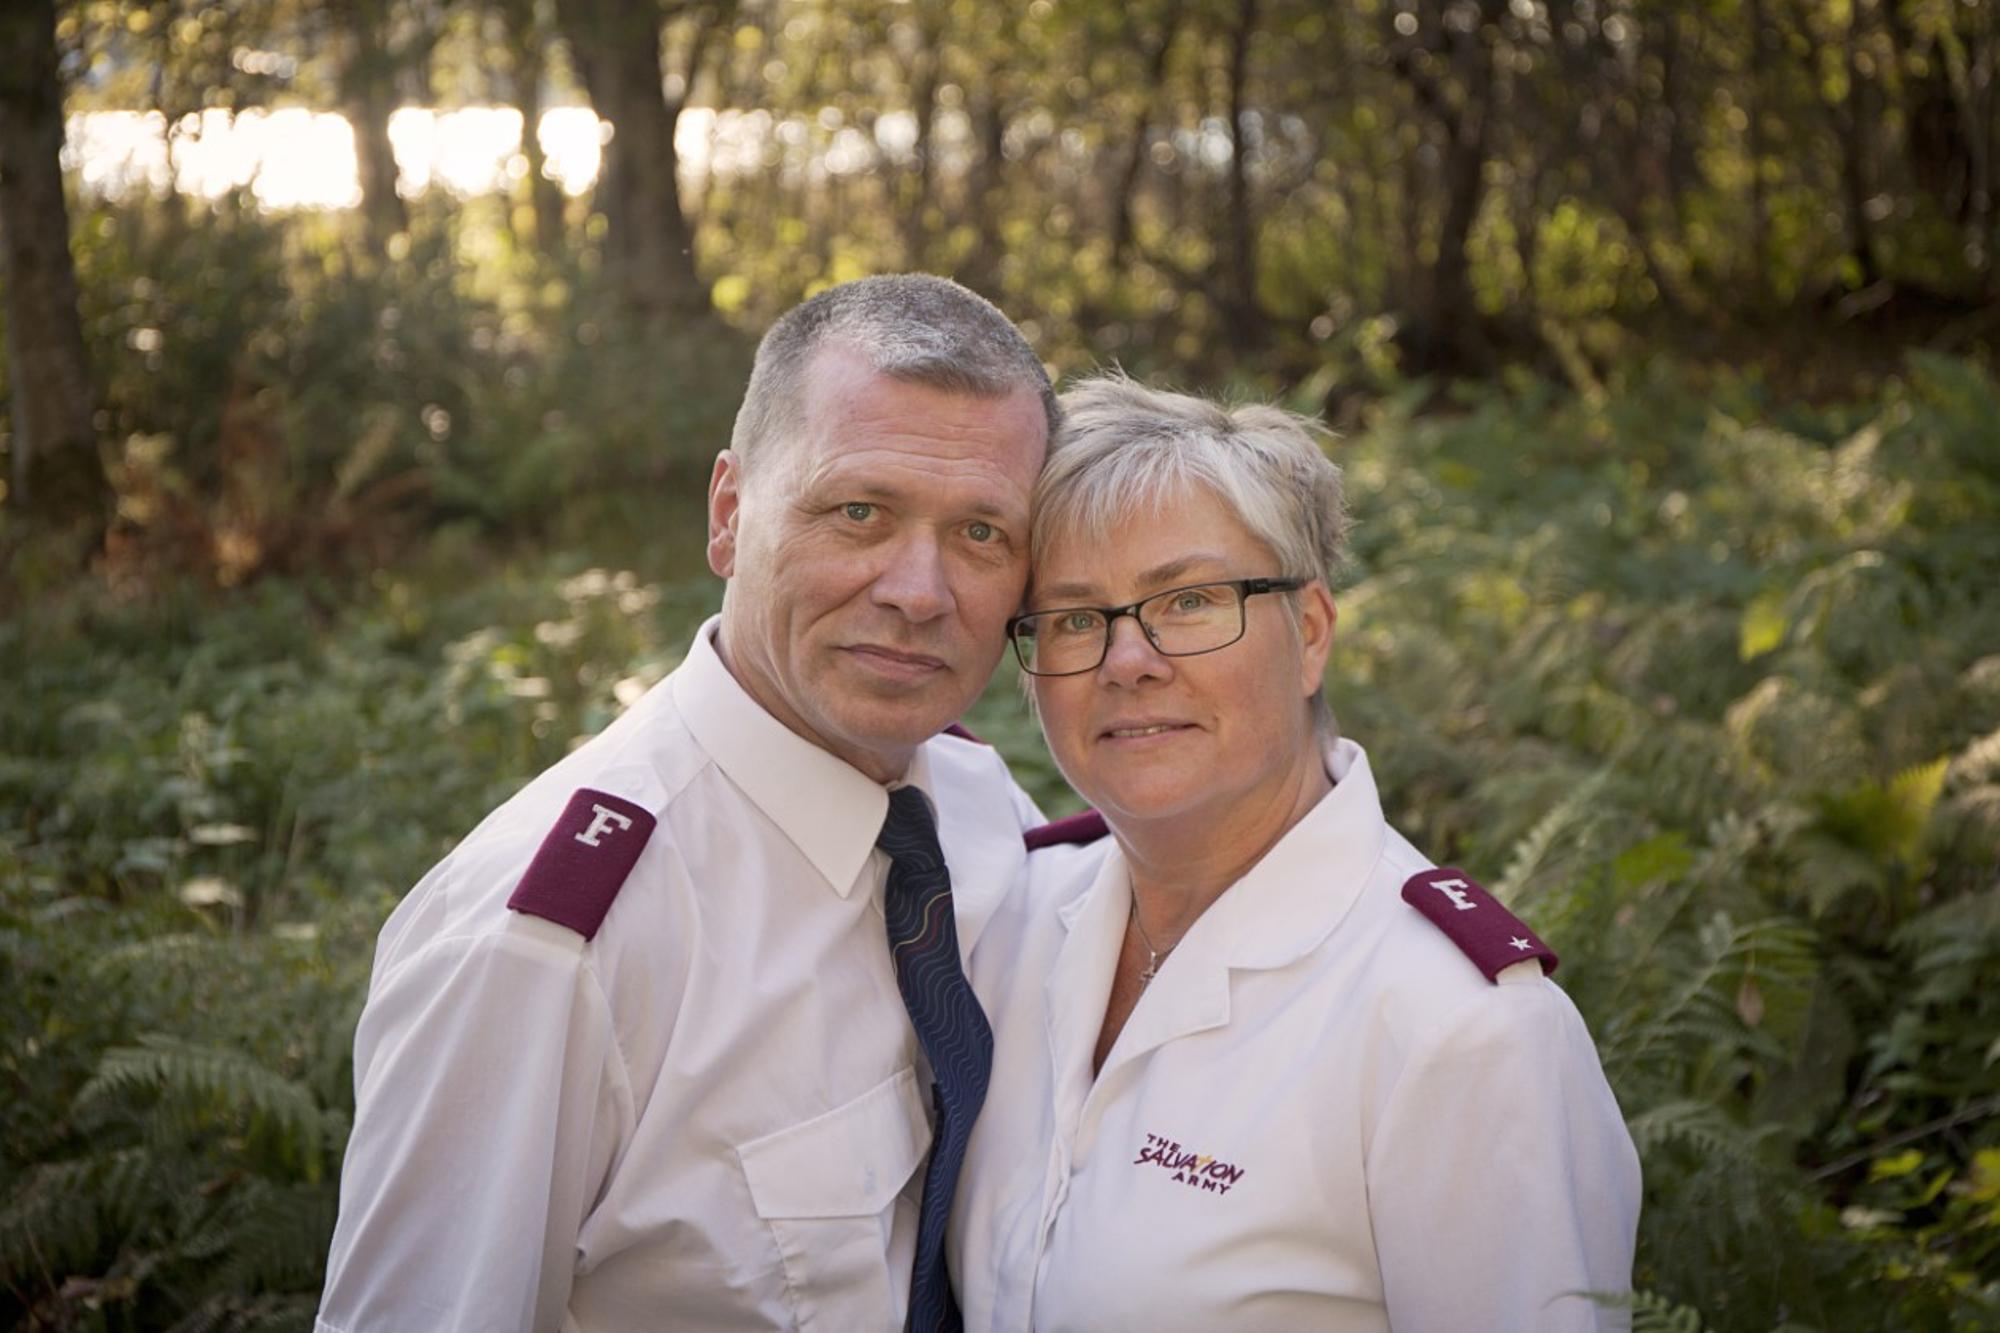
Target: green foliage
[1709, 688]
[1771, 860]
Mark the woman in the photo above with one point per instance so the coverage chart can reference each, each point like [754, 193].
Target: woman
[1240, 1081]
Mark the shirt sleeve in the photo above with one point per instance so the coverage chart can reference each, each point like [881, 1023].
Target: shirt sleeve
[1502, 1185]
[489, 1094]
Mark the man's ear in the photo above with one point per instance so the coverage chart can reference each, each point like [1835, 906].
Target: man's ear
[725, 506]
[1317, 616]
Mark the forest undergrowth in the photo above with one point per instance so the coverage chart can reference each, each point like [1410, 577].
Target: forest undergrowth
[1705, 684]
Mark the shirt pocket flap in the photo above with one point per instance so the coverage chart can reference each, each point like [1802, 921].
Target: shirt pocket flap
[850, 1162]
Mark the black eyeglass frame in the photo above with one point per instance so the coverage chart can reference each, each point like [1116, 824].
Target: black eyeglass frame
[1245, 589]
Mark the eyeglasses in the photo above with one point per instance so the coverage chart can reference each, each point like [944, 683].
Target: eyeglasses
[1180, 622]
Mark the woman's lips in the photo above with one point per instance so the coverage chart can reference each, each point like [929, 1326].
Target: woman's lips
[1142, 731]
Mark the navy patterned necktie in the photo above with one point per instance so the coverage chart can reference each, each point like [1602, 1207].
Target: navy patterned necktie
[923, 941]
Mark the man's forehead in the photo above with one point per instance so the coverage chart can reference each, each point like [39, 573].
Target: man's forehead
[850, 405]
[839, 375]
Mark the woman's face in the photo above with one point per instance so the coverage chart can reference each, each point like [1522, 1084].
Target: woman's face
[1147, 737]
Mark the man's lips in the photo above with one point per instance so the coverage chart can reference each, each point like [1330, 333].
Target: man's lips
[896, 661]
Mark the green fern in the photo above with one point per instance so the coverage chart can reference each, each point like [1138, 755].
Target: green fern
[1654, 1313]
[202, 1079]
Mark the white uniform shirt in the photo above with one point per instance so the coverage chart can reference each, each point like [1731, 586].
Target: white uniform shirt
[707, 1117]
[1319, 1115]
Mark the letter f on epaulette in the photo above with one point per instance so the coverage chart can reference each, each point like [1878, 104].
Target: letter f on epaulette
[1473, 919]
[584, 861]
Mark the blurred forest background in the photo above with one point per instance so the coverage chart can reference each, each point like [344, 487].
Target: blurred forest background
[354, 459]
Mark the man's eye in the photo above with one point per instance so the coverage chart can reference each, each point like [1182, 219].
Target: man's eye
[858, 510]
[981, 532]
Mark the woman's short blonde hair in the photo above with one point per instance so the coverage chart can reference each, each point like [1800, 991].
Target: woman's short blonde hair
[1126, 447]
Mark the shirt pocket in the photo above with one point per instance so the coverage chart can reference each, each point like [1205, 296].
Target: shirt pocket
[831, 1191]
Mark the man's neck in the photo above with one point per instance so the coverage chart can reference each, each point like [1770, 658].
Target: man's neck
[885, 768]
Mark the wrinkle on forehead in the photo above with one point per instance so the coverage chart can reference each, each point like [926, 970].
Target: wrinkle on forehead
[1096, 524]
[1181, 571]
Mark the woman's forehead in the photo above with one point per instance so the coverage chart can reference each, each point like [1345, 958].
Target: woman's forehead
[1153, 542]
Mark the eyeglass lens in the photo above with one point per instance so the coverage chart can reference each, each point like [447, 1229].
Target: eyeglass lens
[1180, 622]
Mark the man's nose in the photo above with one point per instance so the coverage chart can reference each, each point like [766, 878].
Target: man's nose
[914, 579]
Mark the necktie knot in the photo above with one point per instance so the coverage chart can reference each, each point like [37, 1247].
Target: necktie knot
[909, 833]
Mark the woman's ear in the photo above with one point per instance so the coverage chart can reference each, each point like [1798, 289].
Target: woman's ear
[1317, 615]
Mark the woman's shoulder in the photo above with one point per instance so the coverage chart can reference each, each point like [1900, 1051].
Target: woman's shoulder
[1437, 946]
[1065, 858]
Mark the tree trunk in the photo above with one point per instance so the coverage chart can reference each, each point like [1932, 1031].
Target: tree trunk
[981, 270]
[1448, 336]
[925, 76]
[58, 473]
[1452, 315]
[649, 247]
[1760, 207]
[1856, 124]
[527, 42]
[368, 97]
[1157, 52]
[1245, 314]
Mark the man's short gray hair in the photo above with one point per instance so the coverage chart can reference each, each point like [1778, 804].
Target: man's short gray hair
[1126, 448]
[907, 326]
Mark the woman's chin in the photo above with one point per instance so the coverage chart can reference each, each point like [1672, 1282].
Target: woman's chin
[1150, 803]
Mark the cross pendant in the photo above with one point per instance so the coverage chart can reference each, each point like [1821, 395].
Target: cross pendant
[1152, 968]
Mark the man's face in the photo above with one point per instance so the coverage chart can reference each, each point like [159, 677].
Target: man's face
[873, 560]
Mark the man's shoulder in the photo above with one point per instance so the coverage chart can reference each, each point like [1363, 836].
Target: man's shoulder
[970, 778]
[617, 789]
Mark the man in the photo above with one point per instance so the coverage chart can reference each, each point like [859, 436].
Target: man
[637, 1055]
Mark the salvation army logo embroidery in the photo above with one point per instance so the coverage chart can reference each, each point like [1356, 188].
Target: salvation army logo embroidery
[1198, 1171]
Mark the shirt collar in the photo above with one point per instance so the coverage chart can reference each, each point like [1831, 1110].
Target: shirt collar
[828, 809]
[1293, 898]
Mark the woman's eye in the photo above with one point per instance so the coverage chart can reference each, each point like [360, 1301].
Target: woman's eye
[858, 510]
[1191, 600]
[981, 532]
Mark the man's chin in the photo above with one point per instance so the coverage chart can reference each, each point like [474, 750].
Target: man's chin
[892, 726]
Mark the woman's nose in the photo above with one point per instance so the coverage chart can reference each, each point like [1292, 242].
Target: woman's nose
[1129, 656]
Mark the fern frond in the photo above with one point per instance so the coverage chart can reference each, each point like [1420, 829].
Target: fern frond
[1537, 847]
[277, 1238]
[1654, 1313]
[1702, 1006]
[1697, 1125]
[234, 1313]
[67, 1212]
[206, 1077]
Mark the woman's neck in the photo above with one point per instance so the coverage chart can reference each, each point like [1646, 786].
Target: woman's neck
[1179, 866]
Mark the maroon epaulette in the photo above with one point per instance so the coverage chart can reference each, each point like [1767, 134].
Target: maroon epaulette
[1086, 827]
[956, 730]
[1473, 919]
[583, 862]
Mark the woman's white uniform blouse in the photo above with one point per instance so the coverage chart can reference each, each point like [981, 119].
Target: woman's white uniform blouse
[1320, 1115]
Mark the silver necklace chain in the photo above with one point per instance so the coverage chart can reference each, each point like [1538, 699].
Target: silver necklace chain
[1154, 957]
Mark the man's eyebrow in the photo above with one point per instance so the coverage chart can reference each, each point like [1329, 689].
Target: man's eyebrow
[1159, 576]
[981, 507]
